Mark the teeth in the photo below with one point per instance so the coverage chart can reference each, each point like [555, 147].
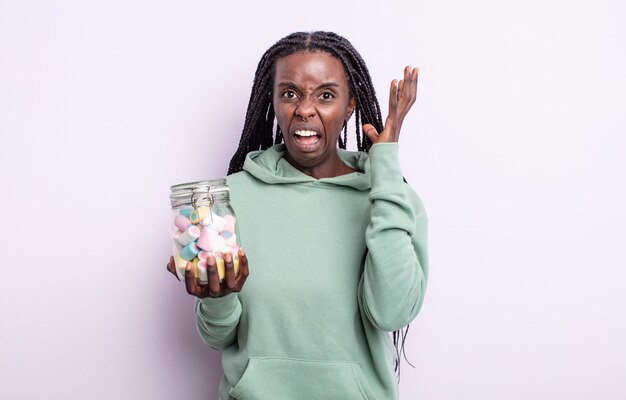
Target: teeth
[306, 133]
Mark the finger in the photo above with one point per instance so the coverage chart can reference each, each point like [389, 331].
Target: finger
[243, 269]
[213, 277]
[392, 116]
[410, 79]
[370, 132]
[406, 81]
[409, 94]
[171, 266]
[229, 271]
[190, 280]
[393, 98]
[414, 78]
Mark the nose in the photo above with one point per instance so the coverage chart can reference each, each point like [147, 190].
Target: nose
[305, 109]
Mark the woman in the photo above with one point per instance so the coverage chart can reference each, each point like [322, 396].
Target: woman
[336, 240]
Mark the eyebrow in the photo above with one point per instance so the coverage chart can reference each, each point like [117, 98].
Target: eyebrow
[321, 86]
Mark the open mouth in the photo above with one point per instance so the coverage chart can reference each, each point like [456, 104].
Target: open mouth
[307, 139]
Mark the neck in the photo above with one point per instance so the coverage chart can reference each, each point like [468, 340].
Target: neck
[328, 169]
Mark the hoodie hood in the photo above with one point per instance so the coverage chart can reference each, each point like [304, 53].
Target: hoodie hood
[270, 166]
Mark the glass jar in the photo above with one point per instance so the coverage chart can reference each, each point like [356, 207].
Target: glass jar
[203, 223]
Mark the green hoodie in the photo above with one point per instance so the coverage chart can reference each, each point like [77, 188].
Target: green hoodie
[335, 264]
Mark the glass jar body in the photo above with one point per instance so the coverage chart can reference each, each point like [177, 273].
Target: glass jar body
[203, 224]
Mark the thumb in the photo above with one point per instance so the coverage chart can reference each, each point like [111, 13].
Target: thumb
[171, 266]
[370, 132]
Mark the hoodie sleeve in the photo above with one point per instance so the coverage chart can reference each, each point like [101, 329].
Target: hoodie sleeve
[217, 320]
[391, 290]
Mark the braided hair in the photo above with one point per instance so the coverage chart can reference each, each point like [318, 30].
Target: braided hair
[258, 130]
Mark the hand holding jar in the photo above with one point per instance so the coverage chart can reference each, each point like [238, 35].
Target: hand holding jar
[215, 286]
[205, 239]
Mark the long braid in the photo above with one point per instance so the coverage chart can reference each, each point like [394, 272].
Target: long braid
[258, 130]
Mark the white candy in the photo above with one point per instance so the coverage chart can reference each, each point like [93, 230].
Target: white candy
[207, 220]
[192, 233]
[202, 274]
[214, 221]
[220, 245]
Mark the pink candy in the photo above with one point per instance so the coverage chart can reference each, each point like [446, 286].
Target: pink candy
[184, 238]
[204, 234]
[182, 223]
[207, 238]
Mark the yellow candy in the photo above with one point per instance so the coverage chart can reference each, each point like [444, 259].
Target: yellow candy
[194, 216]
[220, 267]
[198, 214]
[181, 263]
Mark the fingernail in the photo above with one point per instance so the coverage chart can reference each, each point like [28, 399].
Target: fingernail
[241, 252]
[228, 257]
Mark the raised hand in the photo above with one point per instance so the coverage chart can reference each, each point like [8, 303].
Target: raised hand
[402, 95]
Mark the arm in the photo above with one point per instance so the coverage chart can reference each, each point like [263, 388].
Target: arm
[217, 320]
[391, 290]
[217, 305]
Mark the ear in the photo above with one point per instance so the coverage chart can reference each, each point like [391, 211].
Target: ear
[351, 107]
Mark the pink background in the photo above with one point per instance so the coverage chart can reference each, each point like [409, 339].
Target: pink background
[516, 146]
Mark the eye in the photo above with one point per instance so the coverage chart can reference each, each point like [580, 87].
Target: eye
[289, 94]
[327, 96]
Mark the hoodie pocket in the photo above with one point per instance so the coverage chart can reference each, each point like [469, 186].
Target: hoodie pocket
[291, 379]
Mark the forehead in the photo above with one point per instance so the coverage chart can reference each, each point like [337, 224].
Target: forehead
[310, 67]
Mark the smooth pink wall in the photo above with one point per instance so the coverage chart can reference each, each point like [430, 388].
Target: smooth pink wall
[515, 145]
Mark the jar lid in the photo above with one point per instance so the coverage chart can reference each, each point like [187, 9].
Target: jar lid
[198, 193]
